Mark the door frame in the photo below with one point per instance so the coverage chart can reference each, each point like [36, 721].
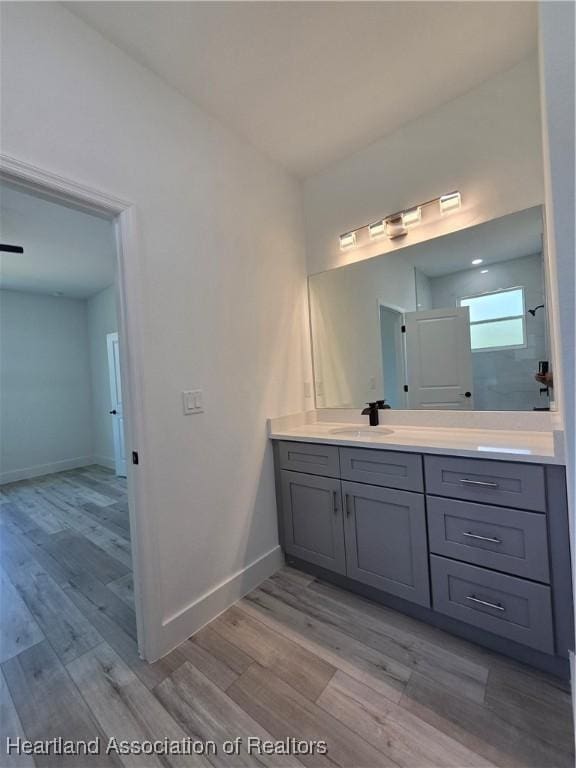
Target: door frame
[129, 291]
[401, 311]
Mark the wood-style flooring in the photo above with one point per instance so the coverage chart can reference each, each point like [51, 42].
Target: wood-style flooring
[296, 658]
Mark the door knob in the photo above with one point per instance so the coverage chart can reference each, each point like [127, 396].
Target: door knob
[467, 394]
[112, 413]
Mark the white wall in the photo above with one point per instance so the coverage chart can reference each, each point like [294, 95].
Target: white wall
[423, 290]
[223, 298]
[101, 309]
[486, 144]
[346, 327]
[557, 47]
[45, 409]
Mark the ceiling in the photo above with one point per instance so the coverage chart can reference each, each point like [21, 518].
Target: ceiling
[509, 237]
[309, 83]
[66, 251]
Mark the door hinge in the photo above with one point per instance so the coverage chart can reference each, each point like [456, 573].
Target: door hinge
[403, 329]
[405, 387]
[135, 459]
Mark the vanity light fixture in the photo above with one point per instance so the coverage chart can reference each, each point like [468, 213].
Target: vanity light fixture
[450, 202]
[475, 262]
[396, 225]
[411, 217]
[377, 229]
[347, 241]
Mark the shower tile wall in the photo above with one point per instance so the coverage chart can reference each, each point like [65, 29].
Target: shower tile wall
[504, 379]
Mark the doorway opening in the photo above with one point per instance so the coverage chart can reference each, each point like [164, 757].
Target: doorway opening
[68, 498]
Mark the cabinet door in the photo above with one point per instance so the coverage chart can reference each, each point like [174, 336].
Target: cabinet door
[313, 520]
[386, 543]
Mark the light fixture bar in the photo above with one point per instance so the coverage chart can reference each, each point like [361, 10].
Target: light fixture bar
[396, 224]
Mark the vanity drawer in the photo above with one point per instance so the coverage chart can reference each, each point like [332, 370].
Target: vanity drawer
[390, 469]
[504, 605]
[495, 537]
[492, 482]
[311, 458]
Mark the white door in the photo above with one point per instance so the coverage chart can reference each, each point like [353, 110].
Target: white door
[439, 359]
[116, 411]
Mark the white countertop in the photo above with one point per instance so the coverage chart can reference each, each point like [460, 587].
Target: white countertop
[521, 445]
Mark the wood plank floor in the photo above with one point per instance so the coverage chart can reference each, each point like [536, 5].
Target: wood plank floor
[296, 658]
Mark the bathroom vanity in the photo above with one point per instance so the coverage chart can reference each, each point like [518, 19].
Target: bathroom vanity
[453, 510]
[460, 529]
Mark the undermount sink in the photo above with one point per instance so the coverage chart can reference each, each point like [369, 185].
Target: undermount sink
[362, 431]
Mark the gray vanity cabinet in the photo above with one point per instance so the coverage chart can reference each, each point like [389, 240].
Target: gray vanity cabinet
[476, 546]
[312, 519]
[385, 534]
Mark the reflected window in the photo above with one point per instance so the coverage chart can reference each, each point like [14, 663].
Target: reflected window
[497, 319]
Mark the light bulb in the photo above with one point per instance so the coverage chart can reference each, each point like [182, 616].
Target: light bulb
[347, 241]
[411, 217]
[377, 229]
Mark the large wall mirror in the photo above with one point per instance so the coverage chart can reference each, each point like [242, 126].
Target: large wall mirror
[457, 322]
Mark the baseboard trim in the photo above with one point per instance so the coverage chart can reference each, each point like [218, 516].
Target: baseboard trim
[44, 469]
[104, 461]
[179, 627]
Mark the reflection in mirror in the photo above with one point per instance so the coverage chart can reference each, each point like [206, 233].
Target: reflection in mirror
[457, 322]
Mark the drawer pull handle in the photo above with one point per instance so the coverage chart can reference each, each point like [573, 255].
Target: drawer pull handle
[497, 606]
[481, 483]
[482, 538]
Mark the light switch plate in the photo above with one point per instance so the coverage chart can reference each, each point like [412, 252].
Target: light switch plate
[192, 402]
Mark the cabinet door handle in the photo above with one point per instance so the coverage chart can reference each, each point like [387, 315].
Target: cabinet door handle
[347, 501]
[482, 538]
[335, 495]
[481, 483]
[497, 606]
